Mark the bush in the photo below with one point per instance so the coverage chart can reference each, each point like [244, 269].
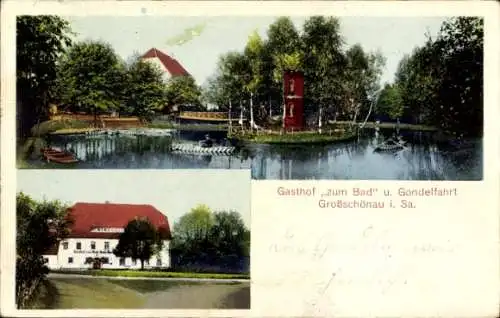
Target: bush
[49, 126]
[154, 273]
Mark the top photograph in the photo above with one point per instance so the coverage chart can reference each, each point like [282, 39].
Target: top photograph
[312, 97]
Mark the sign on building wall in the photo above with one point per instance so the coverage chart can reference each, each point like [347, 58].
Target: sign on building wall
[293, 89]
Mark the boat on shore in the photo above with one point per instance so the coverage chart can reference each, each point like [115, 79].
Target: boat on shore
[58, 156]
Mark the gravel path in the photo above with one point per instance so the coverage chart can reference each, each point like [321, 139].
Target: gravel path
[216, 296]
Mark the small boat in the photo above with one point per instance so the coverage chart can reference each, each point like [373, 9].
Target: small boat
[58, 156]
[391, 145]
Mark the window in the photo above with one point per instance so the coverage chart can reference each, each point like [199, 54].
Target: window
[92, 245]
[65, 245]
[45, 260]
[122, 261]
[146, 262]
[70, 260]
[106, 246]
[78, 245]
[158, 262]
[134, 262]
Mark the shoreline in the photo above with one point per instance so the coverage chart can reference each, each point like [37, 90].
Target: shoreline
[297, 138]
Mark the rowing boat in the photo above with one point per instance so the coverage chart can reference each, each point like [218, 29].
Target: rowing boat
[58, 156]
[390, 145]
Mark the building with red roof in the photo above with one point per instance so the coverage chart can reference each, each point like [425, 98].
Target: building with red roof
[95, 231]
[170, 66]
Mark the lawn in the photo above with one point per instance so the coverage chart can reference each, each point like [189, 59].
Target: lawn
[86, 293]
[102, 293]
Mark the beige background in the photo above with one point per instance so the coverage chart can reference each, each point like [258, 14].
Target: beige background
[457, 275]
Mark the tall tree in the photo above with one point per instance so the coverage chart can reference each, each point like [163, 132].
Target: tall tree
[390, 104]
[325, 61]
[93, 78]
[39, 42]
[230, 237]
[145, 91]
[203, 237]
[183, 90]
[441, 82]
[140, 240]
[40, 225]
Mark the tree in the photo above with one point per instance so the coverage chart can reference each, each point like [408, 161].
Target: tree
[40, 225]
[325, 61]
[228, 84]
[203, 237]
[145, 90]
[230, 237]
[40, 41]
[441, 82]
[92, 77]
[390, 103]
[182, 90]
[140, 240]
[361, 80]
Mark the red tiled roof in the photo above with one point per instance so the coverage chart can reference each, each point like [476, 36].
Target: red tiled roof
[172, 66]
[87, 216]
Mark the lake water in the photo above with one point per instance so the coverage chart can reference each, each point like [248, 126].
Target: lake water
[423, 158]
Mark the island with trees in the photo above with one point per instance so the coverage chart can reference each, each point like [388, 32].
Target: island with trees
[437, 89]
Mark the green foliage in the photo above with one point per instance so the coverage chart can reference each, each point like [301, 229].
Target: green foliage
[210, 238]
[441, 83]
[91, 78]
[140, 240]
[39, 42]
[341, 82]
[183, 90]
[49, 126]
[40, 225]
[145, 92]
[390, 102]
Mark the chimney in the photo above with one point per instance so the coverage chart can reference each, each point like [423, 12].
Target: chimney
[107, 202]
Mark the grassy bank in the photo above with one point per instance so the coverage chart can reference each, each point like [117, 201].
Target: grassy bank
[145, 273]
[371, 124]
[51, 126]
[304, 137]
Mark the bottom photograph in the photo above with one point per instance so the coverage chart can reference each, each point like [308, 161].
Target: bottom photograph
[133, 239]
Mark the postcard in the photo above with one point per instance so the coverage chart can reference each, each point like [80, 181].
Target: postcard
[250, 159]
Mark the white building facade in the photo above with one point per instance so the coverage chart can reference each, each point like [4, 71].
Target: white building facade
[93, 249]
[75, 253]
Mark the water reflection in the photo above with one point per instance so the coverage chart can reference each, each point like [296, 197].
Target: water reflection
[142, 152]
[424, 157]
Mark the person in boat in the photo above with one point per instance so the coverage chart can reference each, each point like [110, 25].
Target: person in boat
[207, 142]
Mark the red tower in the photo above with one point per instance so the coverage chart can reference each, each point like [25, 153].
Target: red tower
[293, 90]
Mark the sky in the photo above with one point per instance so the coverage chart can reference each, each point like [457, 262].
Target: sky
[392, 36]
[173, 192]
